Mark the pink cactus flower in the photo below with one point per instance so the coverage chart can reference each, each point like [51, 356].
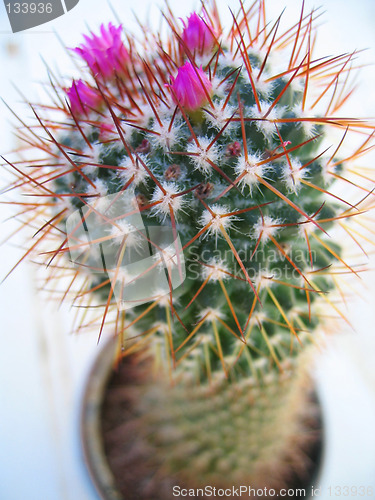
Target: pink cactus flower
[198, 34]
[82, 98]
[190, 87]
[105, 54]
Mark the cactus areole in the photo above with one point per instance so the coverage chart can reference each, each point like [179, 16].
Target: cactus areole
[197, 184]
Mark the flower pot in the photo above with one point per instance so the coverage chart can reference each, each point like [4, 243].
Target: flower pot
[116, 471]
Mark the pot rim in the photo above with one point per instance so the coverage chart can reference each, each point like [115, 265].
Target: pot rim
[90, 434]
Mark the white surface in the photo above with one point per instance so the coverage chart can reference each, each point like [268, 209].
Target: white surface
[42, 366]
[347, 391]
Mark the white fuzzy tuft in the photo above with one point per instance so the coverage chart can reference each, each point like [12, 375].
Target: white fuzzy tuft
[164, 298]
[216, 222]
[89, 159]
[307, 227]
[263, 87]
[164, 137]
[218, 88]
[258, 317]
[169, 256]
[124, 231]
[230, 61]
[250, 170]
[293, 174]
[297, 84]
[265, 228]
[215, 270]
[307, 126]
[167, 201]
[100, 189]
[202, 156]
[123, 275]
[133, 168]
[146, 114]
[266, 126]
[259, 52]
[219, 117]
[263, 279]
[328, 171]
[210, 314]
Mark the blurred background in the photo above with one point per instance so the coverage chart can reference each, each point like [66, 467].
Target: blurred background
[43, 367]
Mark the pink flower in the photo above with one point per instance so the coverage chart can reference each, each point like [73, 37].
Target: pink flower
[198, 34]
[191, 87]
[82, 97]
[105, 54]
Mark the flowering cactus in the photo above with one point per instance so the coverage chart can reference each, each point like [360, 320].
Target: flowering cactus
[233, 142]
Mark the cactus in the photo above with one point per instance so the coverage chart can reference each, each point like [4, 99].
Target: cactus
[233, 142]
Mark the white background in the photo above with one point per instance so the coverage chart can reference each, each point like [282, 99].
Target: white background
[42, 367]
